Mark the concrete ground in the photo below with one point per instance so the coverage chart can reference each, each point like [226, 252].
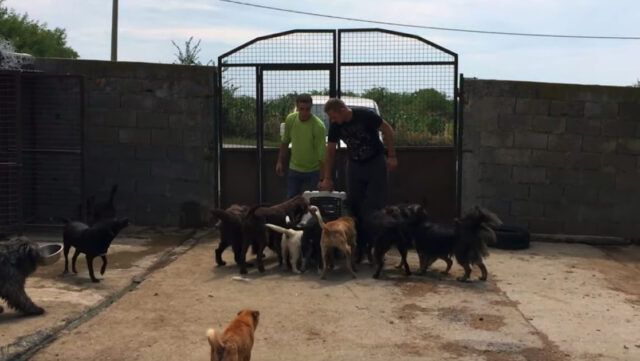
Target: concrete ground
[552, 302]
[67, 299]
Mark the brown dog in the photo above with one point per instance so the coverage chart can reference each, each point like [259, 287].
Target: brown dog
[236, 341]
[339, 234]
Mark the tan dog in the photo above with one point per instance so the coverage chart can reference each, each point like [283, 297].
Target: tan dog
[236, 341]
[340, 234]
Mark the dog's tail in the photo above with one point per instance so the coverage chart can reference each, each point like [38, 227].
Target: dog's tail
[218, 350]
[211, 337]
[279, 229]
[316, 212]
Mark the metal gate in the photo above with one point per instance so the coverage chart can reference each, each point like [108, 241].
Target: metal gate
[41, 148]
[411, 81]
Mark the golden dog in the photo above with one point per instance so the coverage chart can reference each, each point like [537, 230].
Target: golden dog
[339, 234]
[236, 341]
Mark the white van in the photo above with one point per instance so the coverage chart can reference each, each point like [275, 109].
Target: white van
[352, 102]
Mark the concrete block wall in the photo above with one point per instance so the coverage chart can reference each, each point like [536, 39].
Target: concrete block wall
[147, 128]
[555, 158]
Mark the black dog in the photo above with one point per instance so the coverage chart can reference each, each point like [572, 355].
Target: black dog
[466, 239]
[310, 242]
[93, 241]
[18, 260]
[392, 225]
[230, 231]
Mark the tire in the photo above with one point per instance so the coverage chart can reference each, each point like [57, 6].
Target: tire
[511, 237]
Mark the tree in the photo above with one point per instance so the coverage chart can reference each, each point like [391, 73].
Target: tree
[32, 37]
[190, 54]
[637, 84]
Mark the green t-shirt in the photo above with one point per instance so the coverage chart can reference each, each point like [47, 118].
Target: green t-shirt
[307, 142]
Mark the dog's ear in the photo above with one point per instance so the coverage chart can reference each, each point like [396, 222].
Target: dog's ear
[256, 316]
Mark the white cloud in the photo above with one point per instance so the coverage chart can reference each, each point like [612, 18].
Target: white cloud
[224, 34]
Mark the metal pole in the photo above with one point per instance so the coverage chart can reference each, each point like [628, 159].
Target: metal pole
[114, 31]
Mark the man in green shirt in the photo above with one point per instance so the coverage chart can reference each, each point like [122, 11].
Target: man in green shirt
[306, 134]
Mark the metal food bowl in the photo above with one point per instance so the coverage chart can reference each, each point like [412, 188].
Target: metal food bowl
[50, 253]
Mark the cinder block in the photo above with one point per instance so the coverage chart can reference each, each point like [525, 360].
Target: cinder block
[599, 144]
[618, 128]
[619, 163]
[120, 118]
[515, 122]
[565, 142]
[600, 109]
[504, 191]
[525, 139]
[583, 126]
[585, 161]
[496, 139]
[561, 212]
[545, 158]
[549, 124]
[134, 136]
[545, 226]
[629, 146]
[134, 168]
[151, 152]
[628, 109]
[547, 193]
[526, 209]
[104, 100]
[506, 156]
[580, 194]
[495, 174]
[528, 175]
[572, 108]
[192, 138]
[532, 106]
[166, 137]
[102, 135]
[152, 120]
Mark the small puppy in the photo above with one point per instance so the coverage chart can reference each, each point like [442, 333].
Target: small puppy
[339, 234]
[290, 245]
[18, 259]
[93, 241]
[236, 341]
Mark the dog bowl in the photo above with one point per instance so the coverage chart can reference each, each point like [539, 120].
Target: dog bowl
[50, 253]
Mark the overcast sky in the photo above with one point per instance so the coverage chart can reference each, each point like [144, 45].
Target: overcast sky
[148, 26]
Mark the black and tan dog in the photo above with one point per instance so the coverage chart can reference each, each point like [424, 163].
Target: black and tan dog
[230, 231]
[466, 239]
[93, 241]
[18, 259]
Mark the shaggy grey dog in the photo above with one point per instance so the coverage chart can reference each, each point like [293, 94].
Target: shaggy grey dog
[18, 259]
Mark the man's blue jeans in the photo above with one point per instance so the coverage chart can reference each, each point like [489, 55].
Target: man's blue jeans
[298, 182]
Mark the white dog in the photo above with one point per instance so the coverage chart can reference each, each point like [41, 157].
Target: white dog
[290, 244]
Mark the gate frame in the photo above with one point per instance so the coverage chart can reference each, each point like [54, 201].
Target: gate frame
[334, 91]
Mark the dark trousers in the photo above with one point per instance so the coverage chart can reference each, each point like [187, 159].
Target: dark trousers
[367, 189]
[298, 182]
